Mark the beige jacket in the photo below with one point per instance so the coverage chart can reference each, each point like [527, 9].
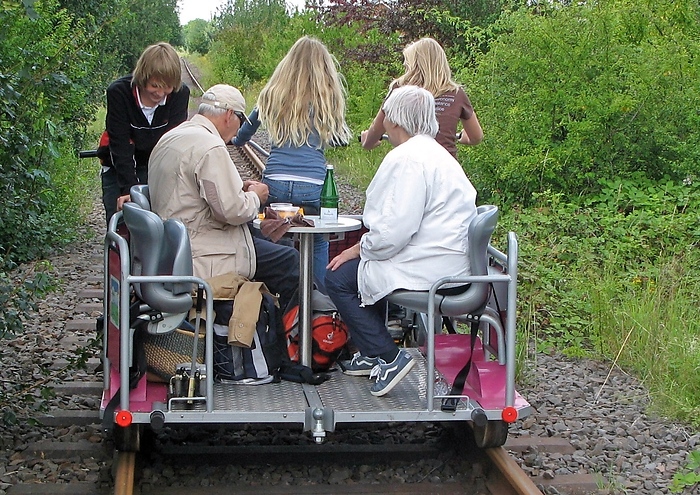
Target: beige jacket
[246, 310]
[191, 177]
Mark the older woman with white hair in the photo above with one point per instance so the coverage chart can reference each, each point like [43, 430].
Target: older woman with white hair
[418, 209]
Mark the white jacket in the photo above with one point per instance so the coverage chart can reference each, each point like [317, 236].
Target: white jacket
[418, 209]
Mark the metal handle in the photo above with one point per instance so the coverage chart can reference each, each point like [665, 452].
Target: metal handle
[87, 154]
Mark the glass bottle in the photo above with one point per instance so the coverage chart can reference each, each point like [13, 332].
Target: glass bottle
[329, 198]
[441, 387]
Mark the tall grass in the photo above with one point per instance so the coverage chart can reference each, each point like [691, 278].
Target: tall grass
[651, 327]
[356, 165]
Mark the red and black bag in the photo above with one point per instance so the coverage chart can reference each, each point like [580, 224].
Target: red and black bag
[328, 332]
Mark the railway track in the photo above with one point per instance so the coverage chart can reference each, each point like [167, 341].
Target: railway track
[189, 77]
[249, 163]
[210, 460]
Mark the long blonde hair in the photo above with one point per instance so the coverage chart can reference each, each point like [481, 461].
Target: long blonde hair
[426, 66]
[305, 94]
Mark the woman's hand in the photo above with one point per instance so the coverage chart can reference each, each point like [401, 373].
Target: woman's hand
[349, 254]
[121, 200]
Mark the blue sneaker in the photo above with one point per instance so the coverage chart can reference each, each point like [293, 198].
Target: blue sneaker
[359, 365]
[390, 374]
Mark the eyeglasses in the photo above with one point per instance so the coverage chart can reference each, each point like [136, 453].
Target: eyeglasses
[242, 117]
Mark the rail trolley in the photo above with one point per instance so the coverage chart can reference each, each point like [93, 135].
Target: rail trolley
[148, 287]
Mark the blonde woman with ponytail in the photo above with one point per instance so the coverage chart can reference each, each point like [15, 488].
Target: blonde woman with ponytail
[426, 66]
[302, 107]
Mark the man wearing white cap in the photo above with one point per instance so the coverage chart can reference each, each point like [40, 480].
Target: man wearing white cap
[192, 177]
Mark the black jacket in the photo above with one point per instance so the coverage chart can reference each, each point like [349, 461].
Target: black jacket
[129, 138]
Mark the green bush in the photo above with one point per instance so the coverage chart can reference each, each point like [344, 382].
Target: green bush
[197, 36]
[589, 91]
[48, 94]
[250, 38]
[571, 252]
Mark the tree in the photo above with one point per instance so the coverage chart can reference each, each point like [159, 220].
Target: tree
[197, 36]
[123, 28]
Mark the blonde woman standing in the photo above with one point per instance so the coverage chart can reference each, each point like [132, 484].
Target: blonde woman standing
[426, 66]
[303, 109]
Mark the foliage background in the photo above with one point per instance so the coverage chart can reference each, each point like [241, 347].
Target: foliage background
[56, 58]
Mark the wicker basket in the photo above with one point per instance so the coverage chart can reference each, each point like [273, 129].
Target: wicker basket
[165, 352]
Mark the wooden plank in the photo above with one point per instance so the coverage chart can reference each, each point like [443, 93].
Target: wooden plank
[89, 307]
[73, 488]
[54, 450]
[91, 365]
[61, 417]
[91, 293]
[78, 388]
[571, 484]
[82, 324]
[422, 488]
[543, 444]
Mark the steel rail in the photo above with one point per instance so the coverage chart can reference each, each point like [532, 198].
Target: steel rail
[513, 473]
[189, 72]
[124, 473]
[259, 148]
[255, 159]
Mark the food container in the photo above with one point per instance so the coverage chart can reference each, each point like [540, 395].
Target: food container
[285, 210]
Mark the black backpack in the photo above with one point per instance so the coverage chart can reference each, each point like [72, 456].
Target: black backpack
[263, 358]
[268, 354]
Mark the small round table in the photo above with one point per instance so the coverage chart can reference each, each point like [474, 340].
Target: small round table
[306, 269]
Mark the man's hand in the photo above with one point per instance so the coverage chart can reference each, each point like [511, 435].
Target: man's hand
[258, 188]
[349, 254]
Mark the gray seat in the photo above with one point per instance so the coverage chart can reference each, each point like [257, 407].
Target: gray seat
[160, 248]
[474, 299]
[140, 195]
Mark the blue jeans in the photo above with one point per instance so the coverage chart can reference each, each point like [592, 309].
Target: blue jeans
[308, 196]
[111, 191]
[278, 267]
[366, 324]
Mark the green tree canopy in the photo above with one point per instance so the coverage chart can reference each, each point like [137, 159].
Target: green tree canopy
[197, 36]
[123, 28]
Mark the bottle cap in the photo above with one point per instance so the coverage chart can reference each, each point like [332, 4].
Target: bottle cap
[329, 165]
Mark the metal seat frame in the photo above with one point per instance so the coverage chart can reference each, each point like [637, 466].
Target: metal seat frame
[472, 305]
[156, 262]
